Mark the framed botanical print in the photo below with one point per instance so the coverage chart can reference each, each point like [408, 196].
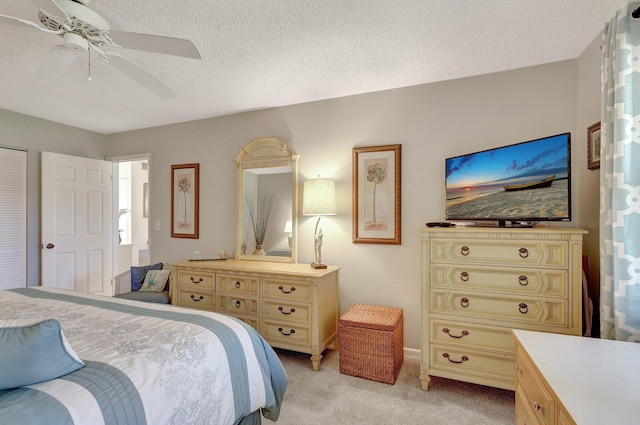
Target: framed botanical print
[593, 146]
[185, 200]
[376, 194]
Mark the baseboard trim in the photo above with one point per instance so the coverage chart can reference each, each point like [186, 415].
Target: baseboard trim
[411, 353]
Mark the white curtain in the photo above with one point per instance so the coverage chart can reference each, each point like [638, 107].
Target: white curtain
[620, 178]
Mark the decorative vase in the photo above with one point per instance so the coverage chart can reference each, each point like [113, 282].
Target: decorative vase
[259, 250]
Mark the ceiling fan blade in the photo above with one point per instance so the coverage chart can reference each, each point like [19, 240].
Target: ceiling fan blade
[155, 43]
[142, 77]
[4, 19]
[55, 63]
[51, 7]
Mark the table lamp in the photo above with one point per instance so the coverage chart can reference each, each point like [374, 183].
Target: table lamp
[288, 229]
[319, 198]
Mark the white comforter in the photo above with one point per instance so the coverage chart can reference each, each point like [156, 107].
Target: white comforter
[161, 364]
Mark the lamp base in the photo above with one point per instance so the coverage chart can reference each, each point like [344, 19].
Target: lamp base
[318, 265]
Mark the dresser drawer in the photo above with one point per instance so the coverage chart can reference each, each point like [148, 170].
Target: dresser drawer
[550, 282]
[282, 311]
[251, 321]
[524, 253]
[286, 333]
[471, 335]
[236, 305]
[532, 391]
[246, 285]
[286, 290]
[547, 311]
[476, 362]
[193, 299]
[524, 414]
[195, 279]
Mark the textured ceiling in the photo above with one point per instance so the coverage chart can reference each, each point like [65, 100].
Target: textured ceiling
[265, 53]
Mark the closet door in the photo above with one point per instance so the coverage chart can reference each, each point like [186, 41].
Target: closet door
[13, 218]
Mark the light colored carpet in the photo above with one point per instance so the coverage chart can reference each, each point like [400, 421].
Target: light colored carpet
[328, 397]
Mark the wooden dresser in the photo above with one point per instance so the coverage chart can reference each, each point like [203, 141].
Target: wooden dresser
[293, 306]
[480, 283]
[571, 380]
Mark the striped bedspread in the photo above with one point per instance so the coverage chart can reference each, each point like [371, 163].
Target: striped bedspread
[145, 364]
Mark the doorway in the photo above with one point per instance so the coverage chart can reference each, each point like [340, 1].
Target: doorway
[132, 218]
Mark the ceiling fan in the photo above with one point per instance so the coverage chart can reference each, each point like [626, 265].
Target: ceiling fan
[84, 30]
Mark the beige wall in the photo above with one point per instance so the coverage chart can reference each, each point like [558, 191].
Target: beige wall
[588, 106]
[39, 135]
[432, 122]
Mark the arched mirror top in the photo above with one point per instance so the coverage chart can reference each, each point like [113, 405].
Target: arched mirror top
[267, 205]
[266, 153]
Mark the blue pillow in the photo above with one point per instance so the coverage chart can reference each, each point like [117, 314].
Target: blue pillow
[34, 351]
[139, 272]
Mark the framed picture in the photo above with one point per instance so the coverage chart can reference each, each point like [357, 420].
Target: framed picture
[593, 146]
[185, 200]
[145, 200]
[376, 194]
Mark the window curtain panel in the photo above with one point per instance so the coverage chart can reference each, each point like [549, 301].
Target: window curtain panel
[620, 178]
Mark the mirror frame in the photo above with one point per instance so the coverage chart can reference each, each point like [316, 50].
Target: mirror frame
[267, 153]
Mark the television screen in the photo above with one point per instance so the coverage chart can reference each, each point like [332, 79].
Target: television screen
[520, 183]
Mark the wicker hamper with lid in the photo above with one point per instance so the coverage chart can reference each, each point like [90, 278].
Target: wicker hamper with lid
[371, 342]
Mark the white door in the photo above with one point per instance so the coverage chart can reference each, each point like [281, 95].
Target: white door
[76, 223]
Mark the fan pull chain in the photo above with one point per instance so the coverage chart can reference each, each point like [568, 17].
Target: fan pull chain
[89, 76]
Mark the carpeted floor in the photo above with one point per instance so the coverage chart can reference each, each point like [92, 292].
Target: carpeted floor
[327, 397]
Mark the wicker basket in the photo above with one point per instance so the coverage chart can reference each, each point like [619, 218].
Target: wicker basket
[371, 343]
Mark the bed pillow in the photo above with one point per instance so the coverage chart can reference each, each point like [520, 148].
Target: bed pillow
[155, 281]
[139, 272]
[34, 351]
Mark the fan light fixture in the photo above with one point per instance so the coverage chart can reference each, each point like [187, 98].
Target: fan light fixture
[83, 30]
[319, 198]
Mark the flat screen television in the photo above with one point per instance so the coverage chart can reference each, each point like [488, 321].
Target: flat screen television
[517, 185]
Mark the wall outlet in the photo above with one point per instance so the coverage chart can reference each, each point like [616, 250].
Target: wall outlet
[157, 225]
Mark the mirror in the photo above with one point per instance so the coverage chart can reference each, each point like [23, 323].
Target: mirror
[267, 204]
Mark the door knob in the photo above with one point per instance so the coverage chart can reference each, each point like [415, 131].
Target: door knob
[50, 246]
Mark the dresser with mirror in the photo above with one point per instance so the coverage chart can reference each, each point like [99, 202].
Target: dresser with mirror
[292, 305]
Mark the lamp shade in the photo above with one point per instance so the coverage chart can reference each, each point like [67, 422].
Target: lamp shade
[319, 197]
[288, 226]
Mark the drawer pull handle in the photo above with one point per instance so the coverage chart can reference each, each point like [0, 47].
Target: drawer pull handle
[523, 308]
[291, 332]
[238, 304]
[536, 406]
[524, 252]
[464, 276]
[196, 281]
[523, 280]
[293, 310]
[238, 284]
[193, 297]
[464, 302]
[281, 288]
[462, 334]
[464, 250]
[448, 357]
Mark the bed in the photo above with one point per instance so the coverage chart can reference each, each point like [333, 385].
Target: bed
[144, 364]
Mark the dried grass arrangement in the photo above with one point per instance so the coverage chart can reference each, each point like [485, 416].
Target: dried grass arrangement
[259, 216]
